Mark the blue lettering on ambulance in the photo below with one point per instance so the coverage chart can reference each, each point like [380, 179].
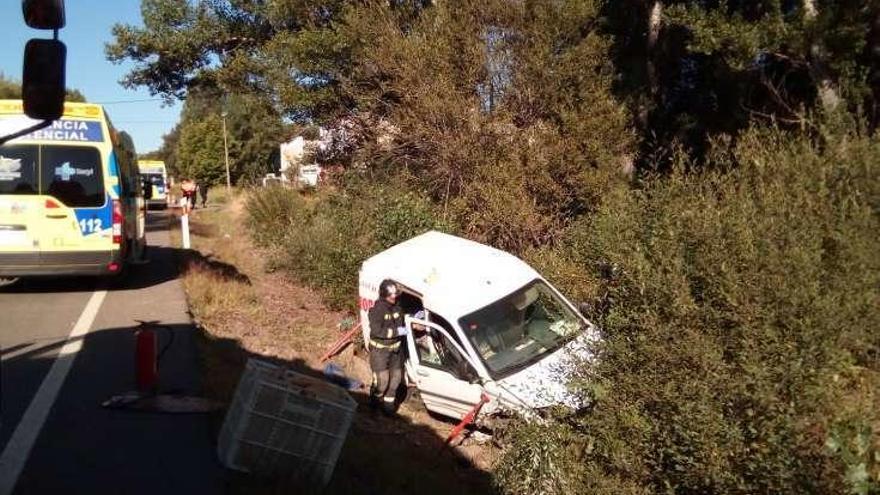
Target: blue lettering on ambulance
[70, 130]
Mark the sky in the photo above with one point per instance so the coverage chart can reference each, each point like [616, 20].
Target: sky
[88, 28]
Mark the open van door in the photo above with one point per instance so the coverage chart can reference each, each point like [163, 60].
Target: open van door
[446, 377]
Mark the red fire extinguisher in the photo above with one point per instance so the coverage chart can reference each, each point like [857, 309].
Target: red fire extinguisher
[146, 365]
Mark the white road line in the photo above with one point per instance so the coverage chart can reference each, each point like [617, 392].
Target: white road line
[21, 442]
[31, 347]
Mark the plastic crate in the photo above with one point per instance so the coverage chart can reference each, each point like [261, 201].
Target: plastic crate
[285, 425]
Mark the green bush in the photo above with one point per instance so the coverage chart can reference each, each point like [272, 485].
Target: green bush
[219, 195]
[740, 313]
[322, 239]
[271, 211]
[402, 216]
[325, 247]
[539, 465]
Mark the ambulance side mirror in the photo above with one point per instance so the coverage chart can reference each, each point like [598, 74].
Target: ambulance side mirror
[43, 14]
[43, 84]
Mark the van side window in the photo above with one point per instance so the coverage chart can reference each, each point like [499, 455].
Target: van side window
[18, 169]
[409, 303]
[437, 352]
[73, 175]
[427, 349]
[439, 320]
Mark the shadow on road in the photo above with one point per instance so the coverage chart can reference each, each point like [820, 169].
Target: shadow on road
[85, 448]
[161, 267]
[65, 284]
[95, 449]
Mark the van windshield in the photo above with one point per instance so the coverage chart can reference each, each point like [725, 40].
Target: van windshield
[521, 328]
[155, 179]
[71, 174]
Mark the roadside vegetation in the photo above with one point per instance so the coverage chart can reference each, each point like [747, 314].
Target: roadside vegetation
[245, 308]
[703, 175]
[738, 309]
[323, 238]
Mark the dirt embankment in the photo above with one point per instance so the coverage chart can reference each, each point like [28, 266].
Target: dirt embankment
[246, 311]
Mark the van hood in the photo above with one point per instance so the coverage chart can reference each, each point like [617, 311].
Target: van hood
[545, 383]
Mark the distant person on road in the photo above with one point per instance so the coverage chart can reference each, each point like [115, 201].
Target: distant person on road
[188, 188]
[203, 192]
[386, 354]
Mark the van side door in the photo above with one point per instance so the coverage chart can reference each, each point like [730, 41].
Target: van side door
[443, 373]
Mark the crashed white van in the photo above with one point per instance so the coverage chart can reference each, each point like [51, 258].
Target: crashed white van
[492, 325]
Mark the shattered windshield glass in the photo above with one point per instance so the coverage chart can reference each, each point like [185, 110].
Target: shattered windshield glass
[519, 329]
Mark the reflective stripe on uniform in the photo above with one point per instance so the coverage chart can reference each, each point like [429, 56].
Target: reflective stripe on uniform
[380, 345]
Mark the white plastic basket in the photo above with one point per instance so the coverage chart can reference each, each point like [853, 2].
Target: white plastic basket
[285, 425]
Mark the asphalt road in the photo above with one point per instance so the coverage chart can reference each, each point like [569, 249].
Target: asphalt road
[68, 345]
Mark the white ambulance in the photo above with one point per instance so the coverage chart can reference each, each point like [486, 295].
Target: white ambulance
[492, 325]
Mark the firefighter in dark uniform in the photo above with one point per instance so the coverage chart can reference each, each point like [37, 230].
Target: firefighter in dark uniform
[387, 330]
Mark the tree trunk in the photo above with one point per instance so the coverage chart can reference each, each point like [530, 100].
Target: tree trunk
[655, 18]
[872, 51]
[654, 10]
[826, 88]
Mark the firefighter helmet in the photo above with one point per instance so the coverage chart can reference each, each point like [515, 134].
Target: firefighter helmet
[388, 288]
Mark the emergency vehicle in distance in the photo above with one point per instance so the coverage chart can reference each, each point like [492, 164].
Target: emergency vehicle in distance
[494, 325]
[71, 198]
[155, 174]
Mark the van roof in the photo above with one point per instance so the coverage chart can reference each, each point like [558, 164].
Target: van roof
[455, 276]
[71, 109]
[151, 166]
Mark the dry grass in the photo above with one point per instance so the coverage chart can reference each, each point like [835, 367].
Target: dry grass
[244, 312]
[219, 297]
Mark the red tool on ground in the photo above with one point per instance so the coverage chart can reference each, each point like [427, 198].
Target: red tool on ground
[147, 398]
[468, 418]
[340, 344]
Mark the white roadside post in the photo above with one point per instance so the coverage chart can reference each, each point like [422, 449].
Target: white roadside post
[184, 222]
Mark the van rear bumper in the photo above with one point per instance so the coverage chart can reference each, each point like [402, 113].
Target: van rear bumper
[58, 264]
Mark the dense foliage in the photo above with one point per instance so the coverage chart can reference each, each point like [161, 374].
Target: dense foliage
[323, 240]
[704, 174]
[739, 311]
[194, 147]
